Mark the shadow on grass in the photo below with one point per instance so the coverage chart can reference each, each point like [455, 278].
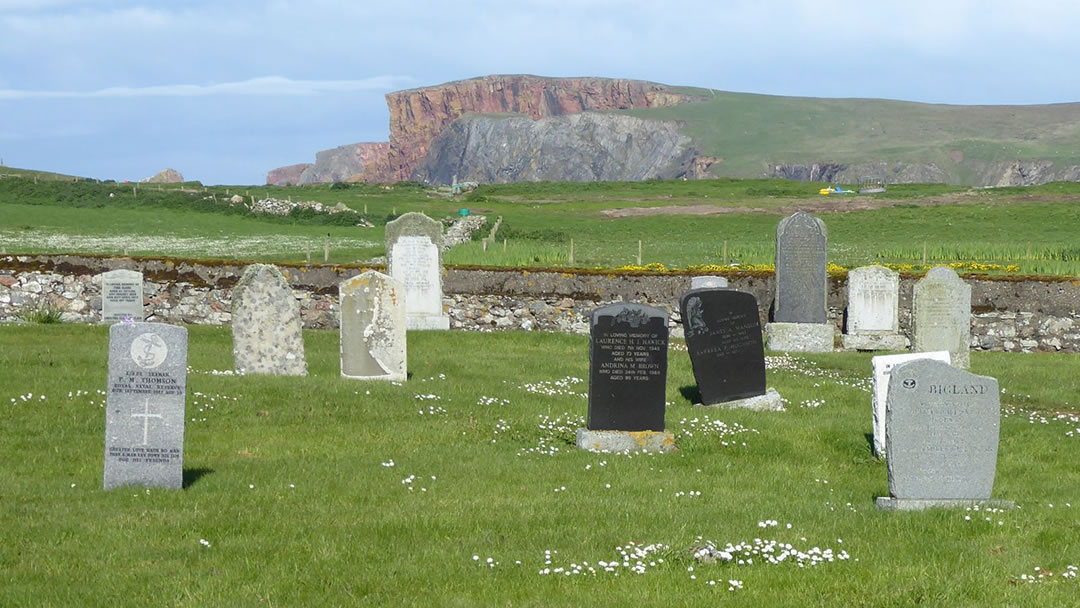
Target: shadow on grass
[691, 393]
[193, 475]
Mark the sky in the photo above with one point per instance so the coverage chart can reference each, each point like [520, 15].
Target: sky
[225, 90]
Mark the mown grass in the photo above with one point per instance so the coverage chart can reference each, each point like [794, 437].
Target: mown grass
[1030, 228]
[288, 481]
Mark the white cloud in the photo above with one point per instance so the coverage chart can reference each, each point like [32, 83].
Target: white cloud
[263, 87]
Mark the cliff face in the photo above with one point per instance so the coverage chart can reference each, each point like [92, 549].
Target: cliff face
[576, 147]
[994, 174]
[286, 176]
[354, 162]
[417, 116]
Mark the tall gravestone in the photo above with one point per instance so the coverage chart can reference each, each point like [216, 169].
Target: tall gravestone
[414, 257]
[144, 415]
[882, 366]
[942, 424]
[372, 327]
[873, 298]
[266, 325]
[941, 312]
[627, 379]
[723, 338]
[121, 296]
[800, 313]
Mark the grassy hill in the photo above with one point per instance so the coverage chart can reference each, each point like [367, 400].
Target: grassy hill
[968, 143]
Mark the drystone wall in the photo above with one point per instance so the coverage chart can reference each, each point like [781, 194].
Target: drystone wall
[1007, 315]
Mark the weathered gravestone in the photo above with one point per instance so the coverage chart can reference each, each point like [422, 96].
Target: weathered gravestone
[873, 322]
[941, 313]
[414, 257]
[121, 296]
[372, 327]
[266, 326]
[942, 426]
[627, 380]
[144, 416]
[708, 282]
[723, 338]
[800, 316]
[882, 366]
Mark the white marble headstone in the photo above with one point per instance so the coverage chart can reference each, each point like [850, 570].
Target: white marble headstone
[372, 328]
[121, 296]
[414, 258]
[873, 298]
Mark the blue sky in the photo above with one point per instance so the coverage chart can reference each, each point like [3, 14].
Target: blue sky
[224, 91]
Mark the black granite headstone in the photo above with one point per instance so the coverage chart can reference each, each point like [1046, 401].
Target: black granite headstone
[801, 270]
[627, 368]
[723, 336]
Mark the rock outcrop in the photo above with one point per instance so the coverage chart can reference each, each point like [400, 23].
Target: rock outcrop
[287, 176]
[840, 173]
[418, 116]
[168, 176]
[589, 146]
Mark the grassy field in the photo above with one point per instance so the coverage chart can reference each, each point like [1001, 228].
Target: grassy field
[679, 223]
[752, 131]
[460, 488]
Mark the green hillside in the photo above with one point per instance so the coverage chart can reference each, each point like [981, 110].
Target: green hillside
[750, 132]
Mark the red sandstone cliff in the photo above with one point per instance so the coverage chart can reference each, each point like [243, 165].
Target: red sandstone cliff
[417, 116]
[286, 176]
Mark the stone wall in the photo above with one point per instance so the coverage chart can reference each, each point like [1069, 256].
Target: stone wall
[1007, 314]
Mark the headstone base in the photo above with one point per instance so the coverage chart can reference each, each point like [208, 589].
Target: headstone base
[875, 342]
[800, 337]
[626, 441]
[427, 322]
[387, 377]
[887, 503]
[769, 402]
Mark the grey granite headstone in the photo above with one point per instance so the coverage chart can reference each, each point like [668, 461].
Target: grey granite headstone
[873, 323]
[121, 296]
[266, 326]
[801, 281]
[942, 426]
[942, 315]
[414, 257]
[882, 366]
[372, 327]
[144, 415]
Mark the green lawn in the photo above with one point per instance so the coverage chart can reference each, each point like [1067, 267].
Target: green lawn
[1031, 228]
[291, 498]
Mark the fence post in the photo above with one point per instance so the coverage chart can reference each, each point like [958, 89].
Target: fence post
[571, 260]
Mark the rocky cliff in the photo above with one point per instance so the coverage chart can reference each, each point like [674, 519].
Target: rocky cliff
[992, 174]
[167, 176]
[417, 116]
[286, 176]
[589, 146]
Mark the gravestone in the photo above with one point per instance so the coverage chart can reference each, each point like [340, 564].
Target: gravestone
[144, 415]
[266, 326]
[414, 258]
[121, 296]
[942, 425]
[723, 338]
[882, 366]
[873, 322]
[372, 327]
[941, 313]
[800, 315]
[801, 281]
[708, 282]
[627, 379]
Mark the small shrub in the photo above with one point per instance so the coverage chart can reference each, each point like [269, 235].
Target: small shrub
[43, 313]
